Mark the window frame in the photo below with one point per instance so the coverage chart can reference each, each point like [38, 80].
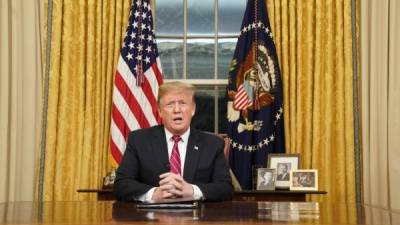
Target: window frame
[215, 82]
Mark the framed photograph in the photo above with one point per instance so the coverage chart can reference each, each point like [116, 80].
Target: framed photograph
[283, 163]
[265, 179]
[304, 180]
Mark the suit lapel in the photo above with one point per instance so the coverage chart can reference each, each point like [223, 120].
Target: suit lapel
[160, 148]
[192, 156]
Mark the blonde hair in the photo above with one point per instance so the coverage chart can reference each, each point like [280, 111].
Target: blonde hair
[173, 86]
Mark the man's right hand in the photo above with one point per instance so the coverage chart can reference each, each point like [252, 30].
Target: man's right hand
[166, 189]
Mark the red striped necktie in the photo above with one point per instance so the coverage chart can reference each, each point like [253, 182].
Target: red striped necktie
[175, 159]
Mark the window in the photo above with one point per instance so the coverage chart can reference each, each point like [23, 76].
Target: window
[196, 40]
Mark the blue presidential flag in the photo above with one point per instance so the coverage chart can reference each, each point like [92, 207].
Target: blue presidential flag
[255, 102]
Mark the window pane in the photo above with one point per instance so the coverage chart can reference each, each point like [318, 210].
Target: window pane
[226, 48]
[169, 17]
[204, 118]
[230, 16]
[205, 109]
[171, 57]
[200, 59]
[200, 17]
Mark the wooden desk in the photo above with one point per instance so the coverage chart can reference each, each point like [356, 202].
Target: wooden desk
[225, 213]
[285, 196]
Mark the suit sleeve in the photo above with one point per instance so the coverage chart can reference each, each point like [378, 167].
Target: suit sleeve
[220, 188]
[127, 186]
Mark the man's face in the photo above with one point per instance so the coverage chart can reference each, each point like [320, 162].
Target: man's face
[282, 168]
[176, 109]
[267, 176]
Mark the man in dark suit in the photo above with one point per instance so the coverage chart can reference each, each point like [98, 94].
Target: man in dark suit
[173, 160]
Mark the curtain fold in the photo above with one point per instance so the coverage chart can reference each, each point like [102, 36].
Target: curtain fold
[20, 94]
[380, 71]
[85, 43]
[314, 43]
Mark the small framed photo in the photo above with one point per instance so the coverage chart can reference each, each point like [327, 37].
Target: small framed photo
[265, 179]
[283, 163]
[304, 180]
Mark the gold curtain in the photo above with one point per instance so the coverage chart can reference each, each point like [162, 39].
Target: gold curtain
[314, 44]
[85, 43]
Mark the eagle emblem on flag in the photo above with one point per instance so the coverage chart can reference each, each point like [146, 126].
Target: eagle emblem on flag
[256, 84]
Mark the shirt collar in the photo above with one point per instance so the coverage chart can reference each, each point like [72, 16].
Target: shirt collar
[184, 136]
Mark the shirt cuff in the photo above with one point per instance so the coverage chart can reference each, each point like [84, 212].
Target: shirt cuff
[197, 194]
[146, 197]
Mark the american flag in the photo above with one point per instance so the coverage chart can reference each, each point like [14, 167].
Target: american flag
[137, 79]
[242, 99]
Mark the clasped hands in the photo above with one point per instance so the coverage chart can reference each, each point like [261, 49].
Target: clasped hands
[172, 186]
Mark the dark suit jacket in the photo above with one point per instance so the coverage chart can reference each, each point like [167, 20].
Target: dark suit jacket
[284, 176]
[146, 157]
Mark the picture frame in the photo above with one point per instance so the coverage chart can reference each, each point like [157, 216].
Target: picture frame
[283, 163]
[266, 179]
[304, 180]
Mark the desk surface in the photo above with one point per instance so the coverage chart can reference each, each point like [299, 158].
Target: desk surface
[107, 212]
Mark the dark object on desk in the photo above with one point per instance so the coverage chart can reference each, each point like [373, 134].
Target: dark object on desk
[173, 203]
